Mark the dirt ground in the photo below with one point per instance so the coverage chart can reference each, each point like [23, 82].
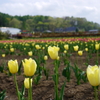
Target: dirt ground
[45, 89]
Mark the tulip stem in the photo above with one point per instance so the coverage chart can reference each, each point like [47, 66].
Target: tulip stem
[28, 94]
[56, 80]
[78, 82]
[87, 56]
[30, 89]
[16, 87]
[95, 93]
[97, 58]
[76, 59]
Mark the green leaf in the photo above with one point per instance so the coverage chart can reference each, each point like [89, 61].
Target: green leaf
[46, 72]
[1, 69]
[62, 91]
[36, 79]
[54, 77]
[22, 93]
[2, 95]
[19, 70]
[67, 71]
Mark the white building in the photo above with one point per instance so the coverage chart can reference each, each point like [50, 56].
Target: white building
[94, 31]
[10, 30]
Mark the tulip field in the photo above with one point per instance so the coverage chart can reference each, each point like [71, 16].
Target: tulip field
[50, 69]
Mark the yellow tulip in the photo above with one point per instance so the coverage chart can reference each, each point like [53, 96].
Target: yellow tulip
[30, 53]
[26, 83]
[13, 66]
[3, 55]
[65, 51]
[43, 48]
[93, 75]
[75, 48]
[86, 49]
[97, 46]
[37, 47]
[66, 46]
[33, 44]
[29, 67]
[45, 57]
[53, 52]
[80, 53]
[58, 58]
[24, 48]
[12, 49]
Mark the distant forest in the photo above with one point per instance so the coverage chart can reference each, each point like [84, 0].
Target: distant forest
[41, 23]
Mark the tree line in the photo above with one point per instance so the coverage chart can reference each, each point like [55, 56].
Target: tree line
[40, 23]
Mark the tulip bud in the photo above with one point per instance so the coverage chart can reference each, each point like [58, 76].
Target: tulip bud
[13, 66]
[26, 83]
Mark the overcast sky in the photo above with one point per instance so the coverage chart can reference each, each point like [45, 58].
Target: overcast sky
[89, 9]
